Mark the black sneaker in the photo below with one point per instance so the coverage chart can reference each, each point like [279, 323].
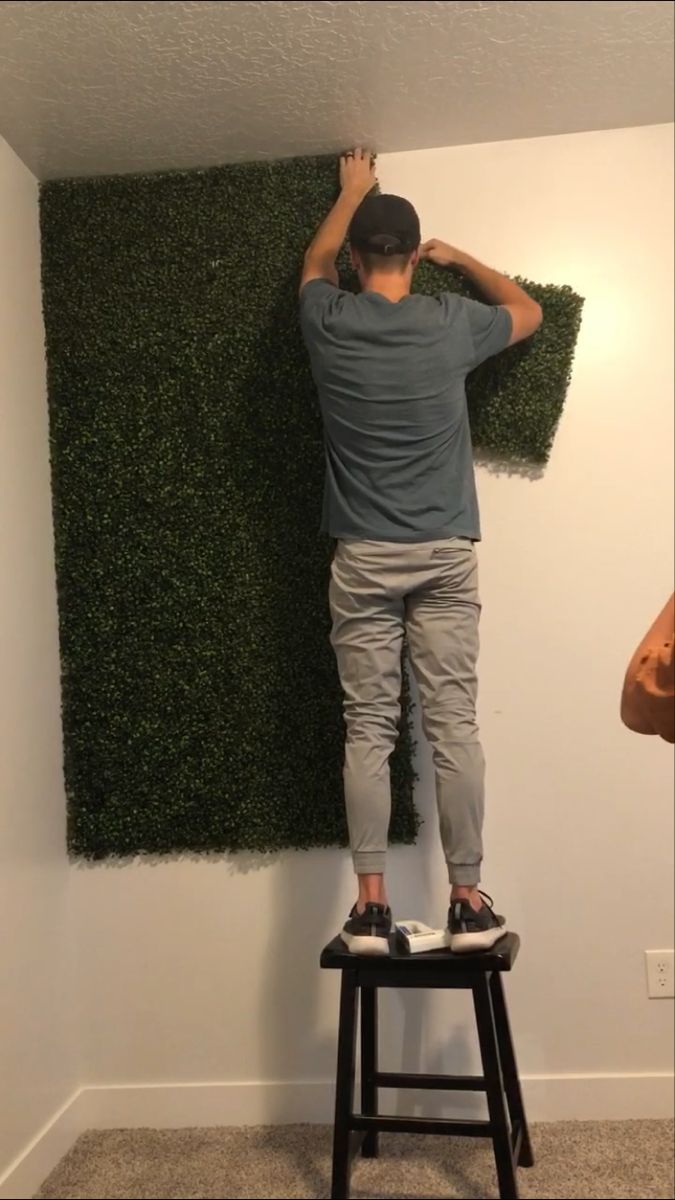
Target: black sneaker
[368, 932]
[470, 930]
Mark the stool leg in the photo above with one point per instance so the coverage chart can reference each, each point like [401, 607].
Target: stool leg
[369, 1066]
[501, 1134]
[344, 1086]
[507, 1055]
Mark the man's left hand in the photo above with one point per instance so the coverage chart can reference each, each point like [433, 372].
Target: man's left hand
[357, 173]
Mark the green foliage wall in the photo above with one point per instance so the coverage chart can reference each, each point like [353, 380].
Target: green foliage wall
[201, 707]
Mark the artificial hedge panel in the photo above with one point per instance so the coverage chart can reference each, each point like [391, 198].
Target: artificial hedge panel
[516, 399]
[201, 706]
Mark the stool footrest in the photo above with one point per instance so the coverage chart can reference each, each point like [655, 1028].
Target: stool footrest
[445, 1083]
[517, 1139]
[356, 1140]
[448, 1126]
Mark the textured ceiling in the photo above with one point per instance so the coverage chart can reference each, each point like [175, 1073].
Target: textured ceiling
[101, 87]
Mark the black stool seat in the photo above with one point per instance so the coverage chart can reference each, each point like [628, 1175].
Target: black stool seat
[500, 958]
[362, 977]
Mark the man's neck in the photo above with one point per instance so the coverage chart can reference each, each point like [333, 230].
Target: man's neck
[392, 287]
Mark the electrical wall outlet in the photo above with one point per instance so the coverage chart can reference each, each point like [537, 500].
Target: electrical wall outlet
[660, 974]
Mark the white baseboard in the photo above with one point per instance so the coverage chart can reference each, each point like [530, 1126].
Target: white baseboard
[547, 1098]
[177, 1105]
[23, 1176]
[599, 1097]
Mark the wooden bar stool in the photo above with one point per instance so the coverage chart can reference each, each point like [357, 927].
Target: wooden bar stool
[481, 974]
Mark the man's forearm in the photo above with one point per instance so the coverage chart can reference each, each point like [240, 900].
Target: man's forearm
[329, 237]
[497, 288]
[357, 178]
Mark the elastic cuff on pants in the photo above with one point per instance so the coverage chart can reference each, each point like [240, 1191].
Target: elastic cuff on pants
[369, 862]
[464, 874]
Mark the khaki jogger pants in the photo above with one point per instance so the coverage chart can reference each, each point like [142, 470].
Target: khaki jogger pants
[429, 591]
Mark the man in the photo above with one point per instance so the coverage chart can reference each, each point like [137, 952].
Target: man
[400, 499]
[648, 696]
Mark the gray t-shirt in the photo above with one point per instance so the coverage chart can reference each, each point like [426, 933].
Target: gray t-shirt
[390, 378]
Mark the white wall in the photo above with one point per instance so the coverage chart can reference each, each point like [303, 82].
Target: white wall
[37, 1060]
[207, 971]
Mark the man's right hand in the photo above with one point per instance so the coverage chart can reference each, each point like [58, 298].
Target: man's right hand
[439, 253]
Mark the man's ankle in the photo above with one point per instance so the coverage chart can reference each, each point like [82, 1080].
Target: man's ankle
[468, 893]
[371, 891]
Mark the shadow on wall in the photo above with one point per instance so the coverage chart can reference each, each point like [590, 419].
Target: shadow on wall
[297, 1004]
[297, 1025]
[298, 1041]
[501, 467]
[423, 1031]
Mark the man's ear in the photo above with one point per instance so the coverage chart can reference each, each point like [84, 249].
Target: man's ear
[354, 259]
[415, 258]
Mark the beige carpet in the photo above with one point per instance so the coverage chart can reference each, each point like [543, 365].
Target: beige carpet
[618, 1160]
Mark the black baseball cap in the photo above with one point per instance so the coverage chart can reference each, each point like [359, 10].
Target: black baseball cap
[384, 224]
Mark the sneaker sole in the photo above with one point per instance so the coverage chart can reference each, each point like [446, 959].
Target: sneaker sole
[358, 943]
[466, 943]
